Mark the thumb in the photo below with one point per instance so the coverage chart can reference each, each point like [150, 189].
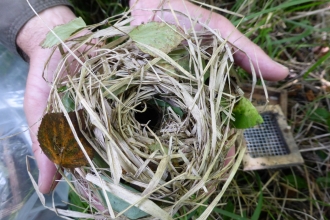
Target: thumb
[35, 102]
[248, 53]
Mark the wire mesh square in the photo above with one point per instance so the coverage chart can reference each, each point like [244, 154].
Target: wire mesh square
[266, 139]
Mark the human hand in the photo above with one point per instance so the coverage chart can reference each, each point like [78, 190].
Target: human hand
[269, 69]
[37, 89]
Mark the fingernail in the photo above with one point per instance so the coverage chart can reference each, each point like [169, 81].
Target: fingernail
[284, 67]
[285, 72]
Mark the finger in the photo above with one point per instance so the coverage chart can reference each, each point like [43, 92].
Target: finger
[35, 101]
[246, 53]
[230, 156]
[47, 172]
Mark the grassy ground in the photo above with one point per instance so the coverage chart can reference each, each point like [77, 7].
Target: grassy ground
[296, 33]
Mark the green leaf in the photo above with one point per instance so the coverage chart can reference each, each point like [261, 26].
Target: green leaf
[319, 115]
[245, 114]
[63, 32]
[115, 92]
[164, 104]
[322, 154]
[62, 89]
[162, 36]
[156, 146]
[296, 181]
[180, 56]
[76, 203]
[100, 163]
[323, 182]
[118, 204]
[68, 102]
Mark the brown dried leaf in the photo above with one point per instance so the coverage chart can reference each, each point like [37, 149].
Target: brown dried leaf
[58, 143]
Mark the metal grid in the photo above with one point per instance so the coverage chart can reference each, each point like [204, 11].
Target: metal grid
[266, 139]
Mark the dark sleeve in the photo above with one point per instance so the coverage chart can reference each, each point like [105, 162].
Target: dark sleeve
[15, 13]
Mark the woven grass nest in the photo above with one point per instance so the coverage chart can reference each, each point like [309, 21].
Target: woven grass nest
[151, 114]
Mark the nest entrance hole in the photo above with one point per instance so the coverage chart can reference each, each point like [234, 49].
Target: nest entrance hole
[152, 116]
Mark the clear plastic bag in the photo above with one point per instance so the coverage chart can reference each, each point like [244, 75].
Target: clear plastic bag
[18, 199]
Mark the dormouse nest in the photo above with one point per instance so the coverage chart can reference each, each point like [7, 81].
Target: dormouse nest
[144, 120]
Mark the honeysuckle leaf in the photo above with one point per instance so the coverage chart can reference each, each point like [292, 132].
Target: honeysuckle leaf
[162, 36]
[246, 115]
[68, 101]
[164, 104]
[63, 31]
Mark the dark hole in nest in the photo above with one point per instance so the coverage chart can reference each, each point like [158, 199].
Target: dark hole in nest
[152, 114]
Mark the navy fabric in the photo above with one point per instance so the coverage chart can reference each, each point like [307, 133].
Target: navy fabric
[15, 13]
